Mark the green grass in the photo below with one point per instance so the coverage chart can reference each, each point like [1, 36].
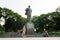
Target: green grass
[54, 33]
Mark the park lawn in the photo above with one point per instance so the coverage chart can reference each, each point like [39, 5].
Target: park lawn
[54, 33]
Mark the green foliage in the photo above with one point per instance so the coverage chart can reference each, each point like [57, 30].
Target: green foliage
[54, 33]
[1, 30]
[0, 12]
[13, 21]
[50, 21]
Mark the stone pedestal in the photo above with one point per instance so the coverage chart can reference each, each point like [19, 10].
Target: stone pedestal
[29, 28]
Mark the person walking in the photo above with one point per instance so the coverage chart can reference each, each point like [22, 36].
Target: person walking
[45, 33]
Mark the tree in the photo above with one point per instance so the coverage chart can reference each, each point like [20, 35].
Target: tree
[0, 12]
[13, 21]
[49, 21]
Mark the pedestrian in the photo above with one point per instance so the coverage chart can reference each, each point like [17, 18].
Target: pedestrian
[45, 33]
[18, 31]
[24, 31]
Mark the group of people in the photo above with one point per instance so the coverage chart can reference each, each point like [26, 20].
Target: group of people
[23, 31]
[23, 34]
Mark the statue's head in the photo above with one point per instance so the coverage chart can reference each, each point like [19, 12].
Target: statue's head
[29, 6]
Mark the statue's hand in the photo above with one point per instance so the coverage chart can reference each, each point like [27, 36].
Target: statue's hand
[25, 13]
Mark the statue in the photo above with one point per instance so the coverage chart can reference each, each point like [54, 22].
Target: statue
[28, 28]
[28, 13]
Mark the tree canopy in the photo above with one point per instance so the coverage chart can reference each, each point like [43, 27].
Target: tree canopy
[49, 21]
[13, 21]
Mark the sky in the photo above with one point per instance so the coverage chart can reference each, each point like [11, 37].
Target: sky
[38, 6]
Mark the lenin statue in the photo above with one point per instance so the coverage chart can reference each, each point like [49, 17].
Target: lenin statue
[28, 13]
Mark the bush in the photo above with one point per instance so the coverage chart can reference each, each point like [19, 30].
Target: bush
[1, 30]
[54, 33]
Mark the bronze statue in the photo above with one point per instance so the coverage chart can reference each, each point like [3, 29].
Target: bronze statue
[28, 13]
[28, 28]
